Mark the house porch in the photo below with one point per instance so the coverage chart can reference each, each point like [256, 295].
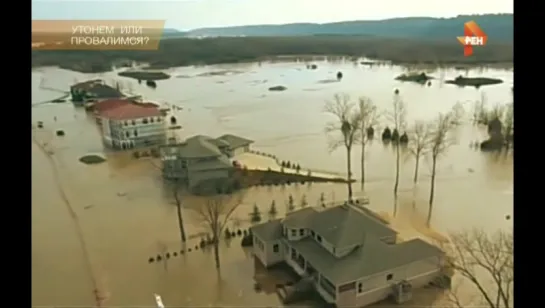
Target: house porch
[304, 268]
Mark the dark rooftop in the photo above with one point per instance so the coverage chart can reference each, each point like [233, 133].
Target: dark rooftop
[269, 231]
[373, 257]
[235, 141]
[342, 226]
[204, 146]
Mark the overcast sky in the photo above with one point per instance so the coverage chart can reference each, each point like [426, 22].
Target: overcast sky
[185, 15]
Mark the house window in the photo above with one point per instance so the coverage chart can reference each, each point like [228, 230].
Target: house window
[293, 232]
[389, 277]
[133, 122]
[135, 133]
[275, 248]
[347, 287]
[360, 287]
[151, 120]
[319, 238]
[312, 232]
[126, 123]
[145, 121]
[127, 134]
[159, 119]
[302, 232]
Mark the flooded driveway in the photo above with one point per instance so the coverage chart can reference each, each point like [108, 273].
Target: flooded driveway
[126, 216]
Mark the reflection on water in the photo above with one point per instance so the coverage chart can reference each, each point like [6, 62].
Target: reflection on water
[127, 216]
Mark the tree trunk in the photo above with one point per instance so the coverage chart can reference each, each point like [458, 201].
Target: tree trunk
[432, 190]
[363, 166]
[217, 252]
[416, 169]
[396, 185]
[180, 218]
[349, 169]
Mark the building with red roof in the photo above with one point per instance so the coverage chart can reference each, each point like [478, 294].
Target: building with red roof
[128, 124]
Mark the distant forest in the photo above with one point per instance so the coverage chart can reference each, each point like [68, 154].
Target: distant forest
[383, 44]
[498, 27]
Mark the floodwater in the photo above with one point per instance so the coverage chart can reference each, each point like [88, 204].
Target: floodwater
[123, 215]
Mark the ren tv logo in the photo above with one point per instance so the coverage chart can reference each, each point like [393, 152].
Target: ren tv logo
[473, 36]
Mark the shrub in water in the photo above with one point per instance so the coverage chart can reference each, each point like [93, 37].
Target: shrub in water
[255, 216]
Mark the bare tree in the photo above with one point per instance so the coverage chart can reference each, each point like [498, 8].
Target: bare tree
[480, 116]
[397, 116]
[440, 142]
[176, 188]
[348, 123]
[508, 126]
[419, 144]
[178, 202]
[215, 212]
[369, 117]
[486, 261]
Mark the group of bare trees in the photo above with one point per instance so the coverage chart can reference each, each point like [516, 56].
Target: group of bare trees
[349, 129]
[425, 139]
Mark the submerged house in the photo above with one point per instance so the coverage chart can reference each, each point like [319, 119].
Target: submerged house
[352, 257]
[95, 89]
[202, 158]
[128, 125]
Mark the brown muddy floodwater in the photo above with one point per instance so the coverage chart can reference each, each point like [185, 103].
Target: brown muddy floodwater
[125, 216]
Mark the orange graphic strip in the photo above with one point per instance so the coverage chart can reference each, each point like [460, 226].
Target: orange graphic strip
[96, 34]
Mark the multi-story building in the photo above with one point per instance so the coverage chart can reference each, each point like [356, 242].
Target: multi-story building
[348, 254]
[127, 125]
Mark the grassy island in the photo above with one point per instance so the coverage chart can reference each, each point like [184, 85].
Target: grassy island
[145, 75]
[414, 77]
[474, 82]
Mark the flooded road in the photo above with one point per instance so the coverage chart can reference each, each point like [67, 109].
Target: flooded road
[126, 216]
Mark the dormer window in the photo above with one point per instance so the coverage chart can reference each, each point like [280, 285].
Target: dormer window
[302, 232]
[319, 238]
[312, 232]
[293, 232]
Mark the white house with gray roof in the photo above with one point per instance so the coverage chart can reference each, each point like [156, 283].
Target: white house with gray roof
[201, 158]
[352, 257]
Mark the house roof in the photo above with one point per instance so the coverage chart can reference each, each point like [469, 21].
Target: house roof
[103, 91]
[300, 218]
[86, 84]
[235, 141]
[268, 231]
[130, 111]
[220, 163]
[345, 226]
[373, 257]
[342, 226]
[203, 146]
[110, 103]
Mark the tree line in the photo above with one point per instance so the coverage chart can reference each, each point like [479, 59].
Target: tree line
[186, 51]
[352, 120]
